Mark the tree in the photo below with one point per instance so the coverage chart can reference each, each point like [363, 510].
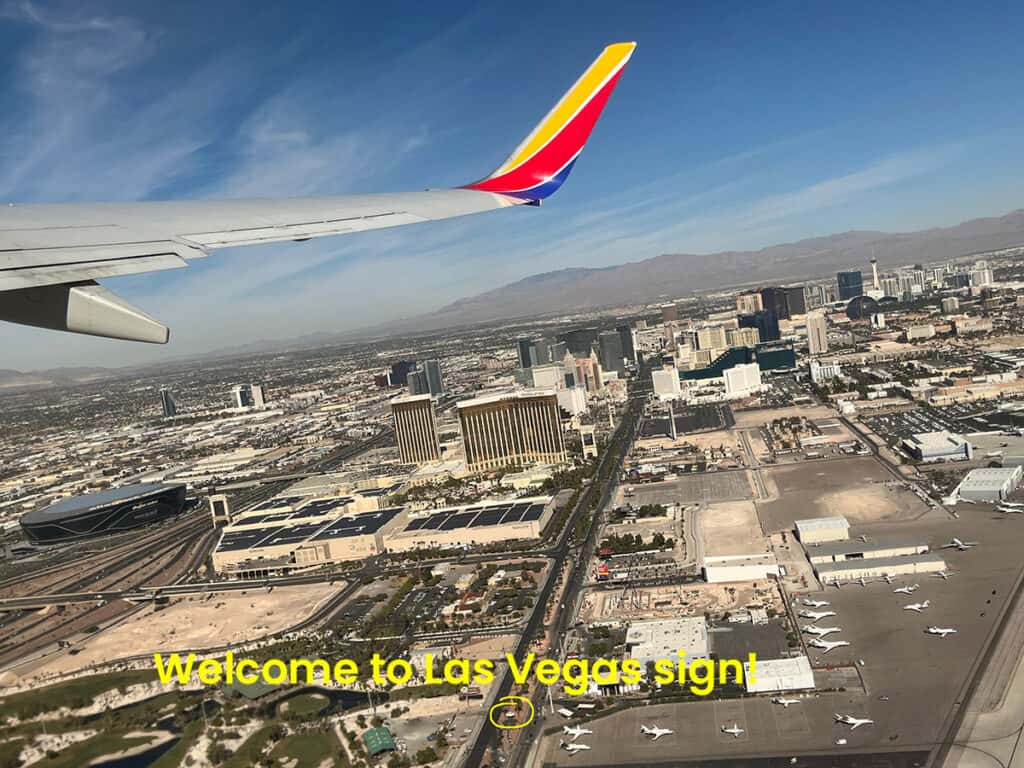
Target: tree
[426, 755]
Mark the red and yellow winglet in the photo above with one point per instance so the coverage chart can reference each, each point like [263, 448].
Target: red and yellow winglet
[542, 162]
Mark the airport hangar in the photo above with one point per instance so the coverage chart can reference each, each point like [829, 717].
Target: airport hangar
[293, 533]
[106, 512]
[850, 560]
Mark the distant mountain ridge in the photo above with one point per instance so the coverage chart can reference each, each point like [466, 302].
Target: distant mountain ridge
[678, 274]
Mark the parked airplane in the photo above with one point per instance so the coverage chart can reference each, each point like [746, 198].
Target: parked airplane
[655, 732]
[1012, 504]
[785, 702]
[571, 747]
[735, 731]
[889, 577]
[853, 722]
[917, 606]
[827, 645]
[940, 631]
[815, 603]
[1006, 510]
[907, 590]
[816, 615]
[944, 575]
[863, 537]
[53, 254]
[959, 545]
[575, 731]
[862, 581]
[811, 629]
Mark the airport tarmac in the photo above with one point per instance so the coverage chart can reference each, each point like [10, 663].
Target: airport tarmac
[858, 488]
[920, 674]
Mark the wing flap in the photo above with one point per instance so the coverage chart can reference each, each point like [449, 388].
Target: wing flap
[49, 266]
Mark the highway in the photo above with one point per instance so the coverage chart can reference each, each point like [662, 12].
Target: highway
[566, 550]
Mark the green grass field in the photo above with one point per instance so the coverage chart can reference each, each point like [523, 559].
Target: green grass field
[74, 693]
[304, 705]
[310, 749]
[84, 752]
[248, 753]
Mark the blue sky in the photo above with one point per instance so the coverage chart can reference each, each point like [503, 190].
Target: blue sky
[735, 125]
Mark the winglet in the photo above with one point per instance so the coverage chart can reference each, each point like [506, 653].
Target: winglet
[539, 166]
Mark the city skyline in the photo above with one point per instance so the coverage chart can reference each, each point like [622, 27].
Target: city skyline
[223, 126]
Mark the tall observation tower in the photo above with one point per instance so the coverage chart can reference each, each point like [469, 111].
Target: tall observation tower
[874, 273]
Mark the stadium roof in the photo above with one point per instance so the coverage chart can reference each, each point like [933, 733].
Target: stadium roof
[75, 505]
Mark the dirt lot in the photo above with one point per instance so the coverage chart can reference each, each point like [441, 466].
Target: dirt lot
[859, 489]
[747, 419]
[731, 529]
[675, 601]
[197, 623]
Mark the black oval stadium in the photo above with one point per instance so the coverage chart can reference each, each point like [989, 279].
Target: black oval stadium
[98, 514]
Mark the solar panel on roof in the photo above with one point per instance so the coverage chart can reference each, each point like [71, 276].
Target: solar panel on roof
[513, 515]
[434, 521]
[415, 525]
[460, 520]
[488, 517]
[533, 513]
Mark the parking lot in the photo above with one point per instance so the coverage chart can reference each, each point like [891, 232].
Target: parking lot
[693, 489]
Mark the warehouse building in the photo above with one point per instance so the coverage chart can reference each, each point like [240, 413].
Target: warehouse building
[876, 568]
[821, 529]
[740, 568]
[938, 446]
[779, 675]
[473, 524]
[989, 484]
[656, 639]
[841, 551]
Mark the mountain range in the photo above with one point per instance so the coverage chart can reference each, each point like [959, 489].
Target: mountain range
[670, 275]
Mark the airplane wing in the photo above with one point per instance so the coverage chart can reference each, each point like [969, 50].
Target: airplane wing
[52, 254]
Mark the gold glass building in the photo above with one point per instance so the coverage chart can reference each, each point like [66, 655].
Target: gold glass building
[511, 428]
[415, 429]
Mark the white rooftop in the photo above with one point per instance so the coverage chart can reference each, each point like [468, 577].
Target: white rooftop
[820, 523]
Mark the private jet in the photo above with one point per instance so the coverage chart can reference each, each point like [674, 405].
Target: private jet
[811, 629]
[575, 731]
[816, 615]
[785, 702]
[735, 731]
[655, 732]
[907, 590]
[940, 631]
[889, 577]
[863, 538]
[571, 747]
[853, 722]
[958, 545]
[944, 575]
[816, 603]
[827, 645]
[917, 606]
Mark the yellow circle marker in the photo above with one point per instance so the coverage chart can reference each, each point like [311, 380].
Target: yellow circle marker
[511, 703]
